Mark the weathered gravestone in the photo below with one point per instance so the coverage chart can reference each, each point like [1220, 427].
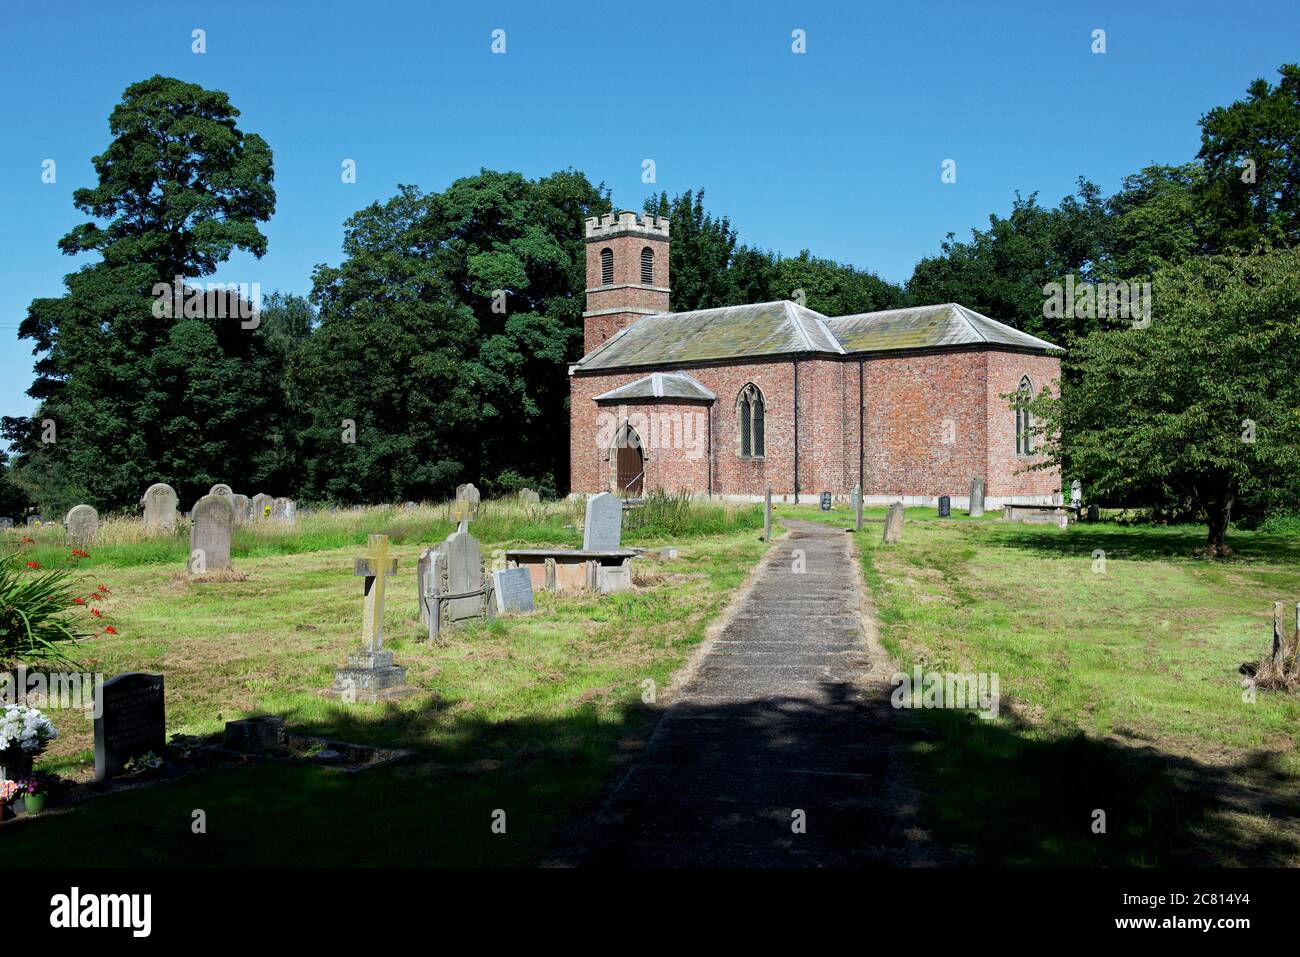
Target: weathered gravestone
[6, 522]
[894, 524]
[159, 501]
[456, 588]
[241, 505]
[767, 514]
[221, 488]
[514, 590]
[826, 501]
[214, 517]
[945, 506]
[1076, 493]
[428, 572]
[34, 520]
[83, 525]
[603, 529]
[370, 674]
[529, 497]
[261, 506]
[284, 510]
[131, 722]
[976, 507]
[468, 493]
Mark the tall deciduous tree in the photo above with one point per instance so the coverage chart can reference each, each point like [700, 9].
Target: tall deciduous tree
[132, 393]
[1204, 401]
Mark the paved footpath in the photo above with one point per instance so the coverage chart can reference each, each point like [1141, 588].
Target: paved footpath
[779, 717]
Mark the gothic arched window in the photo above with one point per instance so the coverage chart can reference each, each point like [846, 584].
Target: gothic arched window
[1024, 421]
[647, 266]
[749, 422]
[606, 267]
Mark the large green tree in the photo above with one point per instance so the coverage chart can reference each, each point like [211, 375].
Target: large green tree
[440, 355]
[133, 391]
[1204, 402]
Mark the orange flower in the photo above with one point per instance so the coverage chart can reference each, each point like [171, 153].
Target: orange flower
[96, 613]
[110, 630]
[33, 564]
[78, 600]
[104, 589]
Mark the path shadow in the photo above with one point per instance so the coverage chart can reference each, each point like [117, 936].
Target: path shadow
[1133, 542]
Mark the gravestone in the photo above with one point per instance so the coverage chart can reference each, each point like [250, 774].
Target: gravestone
[132, 721]
[826, 501]
[602, 531]
[428, 571]
[945, 506]
[221, 488]
[214, 517]
[468, 493]
[410, 506]
[34, 520]
[464, 576]
[514, 590]
[370, 674]
[767, 514]
[260, 507]
[857, 508]
[83, 525]
[284, 510]
[6, 522]
[1076, 493]
[976, 507]
[529, 497]
[894, 524]
[1094, 513]
[242, 508]
[159, 502]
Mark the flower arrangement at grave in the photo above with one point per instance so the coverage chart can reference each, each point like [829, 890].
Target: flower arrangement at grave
[24, 733]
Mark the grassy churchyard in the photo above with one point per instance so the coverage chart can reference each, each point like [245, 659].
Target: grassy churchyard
[1117, 655]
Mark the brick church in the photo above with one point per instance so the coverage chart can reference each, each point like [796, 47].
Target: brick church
[910, 403]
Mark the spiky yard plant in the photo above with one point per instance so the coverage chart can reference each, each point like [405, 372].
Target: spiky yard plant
[38, 617]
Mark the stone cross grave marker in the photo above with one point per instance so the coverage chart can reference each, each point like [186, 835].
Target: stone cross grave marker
[469, 493]
[214, 518]
[159, 502]
[132, 721]
[894, 524]
[221, 488]
[514, 590]
[375, 569]
[603, 529]
[370, 674]
[83, 525]
[462, 510]
[261, 507]
[976, 507]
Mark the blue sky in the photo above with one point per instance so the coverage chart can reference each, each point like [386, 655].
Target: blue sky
[838, 150]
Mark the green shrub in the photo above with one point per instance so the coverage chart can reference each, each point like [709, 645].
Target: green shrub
[37, 613]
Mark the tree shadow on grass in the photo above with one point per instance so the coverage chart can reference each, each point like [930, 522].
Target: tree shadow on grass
[715, 784]
[1133, 542]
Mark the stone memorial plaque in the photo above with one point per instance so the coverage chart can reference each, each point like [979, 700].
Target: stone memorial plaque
[214, 517]
[514, 590]
[159, 502]
[603, 529]
[132, 721]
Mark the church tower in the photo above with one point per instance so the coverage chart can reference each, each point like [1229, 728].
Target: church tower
[627, 273]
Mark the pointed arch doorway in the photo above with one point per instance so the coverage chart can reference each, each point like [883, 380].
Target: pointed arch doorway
[629, 463]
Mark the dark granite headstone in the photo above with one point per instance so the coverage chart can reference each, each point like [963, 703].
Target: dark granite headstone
[1094, 513]
[945, 506]
[132, 721]
[826, 501]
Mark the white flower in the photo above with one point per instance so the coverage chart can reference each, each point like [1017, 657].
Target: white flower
[25, 728]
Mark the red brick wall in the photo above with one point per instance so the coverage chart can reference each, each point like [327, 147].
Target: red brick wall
[932, 423]
[626, 291]
[1007, 473]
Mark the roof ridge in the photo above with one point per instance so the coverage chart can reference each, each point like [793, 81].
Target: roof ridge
[793, 316]
[963, 312]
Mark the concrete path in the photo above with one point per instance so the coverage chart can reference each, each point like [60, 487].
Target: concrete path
[783, 714]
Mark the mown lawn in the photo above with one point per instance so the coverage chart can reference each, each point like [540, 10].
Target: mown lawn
[528, 714]
[1120, 689]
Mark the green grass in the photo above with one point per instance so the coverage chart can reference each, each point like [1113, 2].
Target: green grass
[528, 714]
[1119, 682]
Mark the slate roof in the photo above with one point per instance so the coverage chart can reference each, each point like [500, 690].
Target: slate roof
[785, 328]
[729, 332]
[660, 385]
[928, 327]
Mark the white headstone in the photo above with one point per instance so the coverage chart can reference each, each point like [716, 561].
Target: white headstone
[83, 525]
[159, 502]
